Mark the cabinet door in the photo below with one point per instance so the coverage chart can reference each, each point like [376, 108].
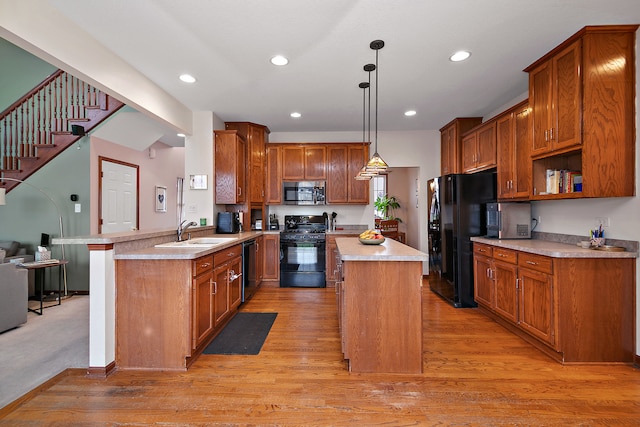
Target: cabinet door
[203, 303]
[522, 153]
[229, 168]
[221, 293]
[235, 282]
[271, 267]
[256, 148]
[293, 163]
[486, 146]
[259, 259]
[504, 136]
[337, 178]
[506, 295]
[540, 98]
[446, 150]
[332, 267]
[274, 176]
[482, 275]
[315, 160]
[567, 93]
[358, 190]
[536, 304]
[469, 152]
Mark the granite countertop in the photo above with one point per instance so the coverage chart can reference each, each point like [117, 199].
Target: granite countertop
[351, 249]
[339, 231]
[140, 244]
[552, 249]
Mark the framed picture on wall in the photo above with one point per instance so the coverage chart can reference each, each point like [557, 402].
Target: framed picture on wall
[198, 182]
[161, 199]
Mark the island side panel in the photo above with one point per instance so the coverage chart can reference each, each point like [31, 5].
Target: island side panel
[153, 300]
[383, 316]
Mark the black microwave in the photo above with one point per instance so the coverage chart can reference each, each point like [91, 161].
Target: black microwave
[303, 193]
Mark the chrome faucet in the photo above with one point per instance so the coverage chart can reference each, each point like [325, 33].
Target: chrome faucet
[183, 227]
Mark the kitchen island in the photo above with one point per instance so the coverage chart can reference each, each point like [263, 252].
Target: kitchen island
[380, 306]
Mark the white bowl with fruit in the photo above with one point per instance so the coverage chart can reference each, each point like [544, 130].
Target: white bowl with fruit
[371, 237]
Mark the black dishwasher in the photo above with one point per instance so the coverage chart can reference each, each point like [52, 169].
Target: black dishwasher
[249, 260]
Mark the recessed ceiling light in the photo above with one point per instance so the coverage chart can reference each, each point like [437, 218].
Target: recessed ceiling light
[296, 115]
[187, 78]
[460, 55]
[410, 113]
[279, 60]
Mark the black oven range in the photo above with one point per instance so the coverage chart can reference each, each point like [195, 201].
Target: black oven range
[302, 252]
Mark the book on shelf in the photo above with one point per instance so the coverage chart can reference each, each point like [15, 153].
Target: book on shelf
[559, 181]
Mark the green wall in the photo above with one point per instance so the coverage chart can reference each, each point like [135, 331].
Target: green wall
[28, 213]
[20, 72]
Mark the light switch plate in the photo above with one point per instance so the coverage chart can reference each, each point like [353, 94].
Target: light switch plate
[78, 208]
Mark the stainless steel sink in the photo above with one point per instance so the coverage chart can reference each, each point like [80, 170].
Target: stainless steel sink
[200, 242]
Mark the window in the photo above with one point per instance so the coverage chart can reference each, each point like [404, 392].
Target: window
[379, 190]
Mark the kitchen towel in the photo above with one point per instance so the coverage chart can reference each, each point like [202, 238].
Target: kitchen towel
[245, 334]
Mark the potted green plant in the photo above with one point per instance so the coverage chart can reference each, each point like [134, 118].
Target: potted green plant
[387, 205]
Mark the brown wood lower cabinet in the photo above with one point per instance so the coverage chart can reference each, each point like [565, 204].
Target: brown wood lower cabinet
[332, 257]
[573, 309]
[271, 266]
[167, 311]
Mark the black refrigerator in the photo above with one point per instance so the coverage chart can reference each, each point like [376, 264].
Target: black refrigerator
[462, 201]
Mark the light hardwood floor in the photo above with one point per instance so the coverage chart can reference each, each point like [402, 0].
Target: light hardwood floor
[475, 374]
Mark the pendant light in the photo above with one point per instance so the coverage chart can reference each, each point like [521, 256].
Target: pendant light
[363, 174]
[376, 165]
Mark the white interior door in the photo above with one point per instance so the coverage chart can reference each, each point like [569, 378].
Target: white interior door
[119, 197]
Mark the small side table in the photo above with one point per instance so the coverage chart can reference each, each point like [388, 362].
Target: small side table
[39, 267]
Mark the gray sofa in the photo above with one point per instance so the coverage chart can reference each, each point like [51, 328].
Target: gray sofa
[14, 288]
[12, 250]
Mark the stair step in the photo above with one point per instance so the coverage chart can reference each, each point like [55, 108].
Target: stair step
[84, 119]
[48, 145]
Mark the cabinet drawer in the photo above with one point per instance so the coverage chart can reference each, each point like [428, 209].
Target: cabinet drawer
[202, 265]
[225, 255]
[535, 262]
[482, 249]
[506, 255]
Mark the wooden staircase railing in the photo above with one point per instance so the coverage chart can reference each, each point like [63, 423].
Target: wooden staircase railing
[37, 127]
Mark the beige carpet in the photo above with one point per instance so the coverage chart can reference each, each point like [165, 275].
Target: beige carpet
[43, 347]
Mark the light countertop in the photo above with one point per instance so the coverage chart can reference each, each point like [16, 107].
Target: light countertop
[552, 249]
[351, 249]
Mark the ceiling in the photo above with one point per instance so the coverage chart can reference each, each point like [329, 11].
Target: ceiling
[227, 45]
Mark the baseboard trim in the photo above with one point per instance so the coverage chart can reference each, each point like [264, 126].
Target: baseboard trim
[101, 372]
[39, 389]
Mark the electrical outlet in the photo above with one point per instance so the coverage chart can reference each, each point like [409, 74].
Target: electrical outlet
[602, 220]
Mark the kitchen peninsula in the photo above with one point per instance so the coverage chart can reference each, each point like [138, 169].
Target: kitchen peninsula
[158, 286]
[380, 306]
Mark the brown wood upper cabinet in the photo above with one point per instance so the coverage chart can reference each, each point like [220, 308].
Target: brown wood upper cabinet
[304, 163]
[451, 140]
[229, 167]
[344, 161]
[514, 146]
[256, 136]
[583, 113]
[479, 148]
[336, 163]
[274, 175]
